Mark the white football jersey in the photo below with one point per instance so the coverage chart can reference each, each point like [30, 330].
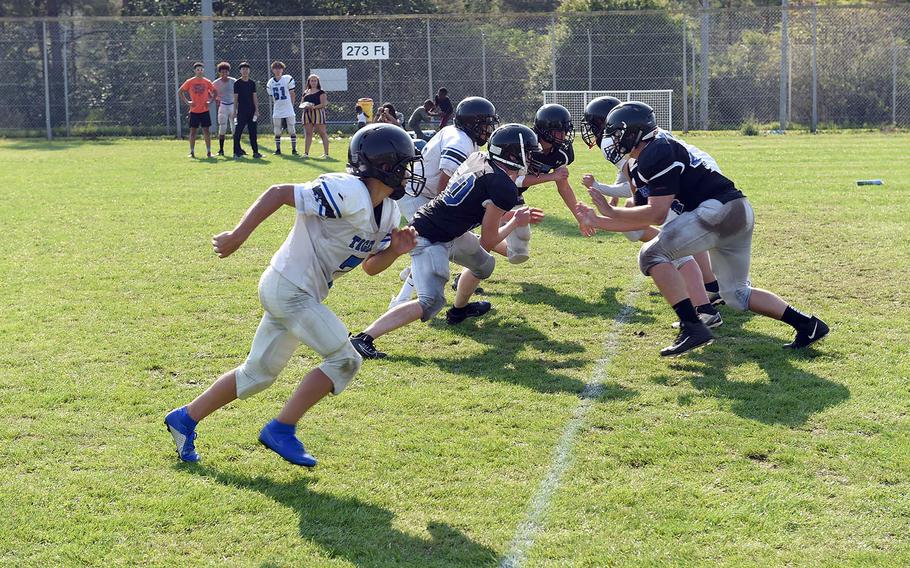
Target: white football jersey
[334, 232]
[280, 91]
[444, 153]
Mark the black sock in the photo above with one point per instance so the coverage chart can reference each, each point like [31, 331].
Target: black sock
[365, 336]
[221, 144]
[795, 318]
[685, 311]
[706, 309]
[712, 287]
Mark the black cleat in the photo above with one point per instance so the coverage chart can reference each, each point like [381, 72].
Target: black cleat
[295, 152]
[472, 310]
[243, 152]
[257, 155]
[479, 290]
[814, 331]
[691, 336]
[276, 153]
[363, 344]
[221, 152]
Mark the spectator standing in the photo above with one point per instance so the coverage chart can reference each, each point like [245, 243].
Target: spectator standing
[202, 93]
[226, 111]
[421, 114]
[388, 115]
[313, 105]
[444, 106]
[247, 103]
[281, 88]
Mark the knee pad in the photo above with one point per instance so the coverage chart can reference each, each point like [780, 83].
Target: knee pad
[253, 377]
[737, 299]
[484, 268]
[679, 262]
[431, 304]
[341, 366]
[517, 245]
[634, 236]
[651, 255]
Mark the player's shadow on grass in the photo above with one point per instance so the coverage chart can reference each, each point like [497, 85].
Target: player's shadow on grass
[564, 227]
[789, 396]
[41, 144]
[503, 341]
[360, 532]
[607, 306]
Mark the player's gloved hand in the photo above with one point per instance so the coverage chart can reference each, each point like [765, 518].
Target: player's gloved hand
[403, 240]
[226, 243]
[561, 173]
[601, 202]
[587, 180]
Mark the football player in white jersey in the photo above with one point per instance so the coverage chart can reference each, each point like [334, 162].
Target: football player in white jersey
[281, 88]
[224, 85]
[475, 120]
[343, 220]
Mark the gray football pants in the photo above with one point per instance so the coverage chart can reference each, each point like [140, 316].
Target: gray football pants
[722, 229]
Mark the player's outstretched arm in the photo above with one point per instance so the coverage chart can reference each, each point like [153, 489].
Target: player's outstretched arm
[403, 241]
[270, 201]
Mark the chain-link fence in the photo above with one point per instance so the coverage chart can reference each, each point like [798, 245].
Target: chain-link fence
[798, 66]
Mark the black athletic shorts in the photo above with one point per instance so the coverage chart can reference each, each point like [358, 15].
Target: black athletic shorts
[198, 119]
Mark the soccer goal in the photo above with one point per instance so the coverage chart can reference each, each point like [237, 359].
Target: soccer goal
[576, 101]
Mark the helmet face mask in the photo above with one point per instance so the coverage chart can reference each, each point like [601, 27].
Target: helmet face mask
[595, 119]
[628, 124]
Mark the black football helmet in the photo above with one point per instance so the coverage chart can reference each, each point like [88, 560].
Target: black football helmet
[477, 117]
[592, 124]
[554, 118]
[386, 152]
[630, 123]
[511, 145]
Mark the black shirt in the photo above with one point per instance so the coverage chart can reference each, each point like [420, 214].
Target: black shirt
[444, 104]
[462, 205]
[670, 167]
[313, 97]
[244, 92]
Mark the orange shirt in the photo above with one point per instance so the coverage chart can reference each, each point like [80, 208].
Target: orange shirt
[199, 90]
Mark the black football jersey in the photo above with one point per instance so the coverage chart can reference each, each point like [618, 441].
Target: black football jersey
[667, 166]
[544, 163]
[462, 205]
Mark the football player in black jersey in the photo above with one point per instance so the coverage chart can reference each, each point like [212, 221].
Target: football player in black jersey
[481, 193]
[555, 132]
[716, 217]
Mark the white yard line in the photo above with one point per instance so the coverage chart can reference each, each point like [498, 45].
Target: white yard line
[562, 456]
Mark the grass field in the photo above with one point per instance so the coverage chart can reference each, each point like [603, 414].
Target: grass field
[116, 310]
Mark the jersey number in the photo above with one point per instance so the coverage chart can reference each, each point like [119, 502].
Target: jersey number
[351, 263]
[278, 94]
[458, 190]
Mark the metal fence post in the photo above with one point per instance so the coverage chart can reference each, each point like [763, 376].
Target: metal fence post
[703, 86]
[380, 81]
[47, 93]
[268, 63]
[303, 73]
[814, 68]
[167, 98]
[429, 61]
[893, 81]
[685, 79]
[784, 57]
[590, 63]
[66, 82]
[483, 61]
[694, 75]
[208, 39]
[553, 49]
[176, 83]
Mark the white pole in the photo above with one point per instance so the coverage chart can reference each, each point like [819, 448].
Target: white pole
[703, 84]
[380, 82]
[208, 43]
[268, 62]
[590, 63]
[167, 98]
[66, 82]
[814, 67]
[47, 92]
[553, 49]
[303, 73]
[893, 81]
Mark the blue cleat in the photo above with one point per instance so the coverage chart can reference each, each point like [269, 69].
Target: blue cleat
[280, 439]
[183, 429]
